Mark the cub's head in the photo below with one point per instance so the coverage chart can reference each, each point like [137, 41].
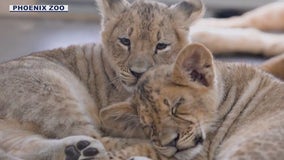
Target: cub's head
[143, 34]
[174, 104]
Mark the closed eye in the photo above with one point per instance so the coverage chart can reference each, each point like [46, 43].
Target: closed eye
[176, 105]
[166, 102]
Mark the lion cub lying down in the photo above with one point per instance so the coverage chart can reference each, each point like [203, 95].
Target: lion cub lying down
[199, 108]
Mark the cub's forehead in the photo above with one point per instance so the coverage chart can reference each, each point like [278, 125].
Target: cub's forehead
[157, 83]
[156, 76]
[148, 11]
[153, 81]
[147, 20]
[149, 6]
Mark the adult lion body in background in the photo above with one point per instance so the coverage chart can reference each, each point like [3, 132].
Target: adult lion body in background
[259, 31]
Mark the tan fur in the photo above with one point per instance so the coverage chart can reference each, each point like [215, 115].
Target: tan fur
[48, 100]
[246, 33]
[258, 32]
[238, 40]
[275, 66]
[256, 18]
[201, 109]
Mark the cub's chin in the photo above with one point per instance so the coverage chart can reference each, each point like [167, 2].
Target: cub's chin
[189, 153]
[129, 85]
[186, 149]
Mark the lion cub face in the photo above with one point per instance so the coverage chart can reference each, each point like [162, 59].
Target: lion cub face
[175, 104]
[143, 34]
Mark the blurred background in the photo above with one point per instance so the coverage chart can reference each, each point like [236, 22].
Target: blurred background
[23, 33]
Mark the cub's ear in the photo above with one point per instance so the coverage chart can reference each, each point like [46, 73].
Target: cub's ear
[187, 11]
[111, 8]
[122, 120]
[194, 67]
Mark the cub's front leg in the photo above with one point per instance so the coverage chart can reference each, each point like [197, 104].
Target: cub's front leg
[42, 102]
[84, 148]
[142, 151]
[6, 156]
[19, 141]
[47, 95]
[93, 149]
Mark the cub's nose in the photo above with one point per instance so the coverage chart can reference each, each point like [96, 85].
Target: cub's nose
[137, 73]
[198, 140]
[139, 65]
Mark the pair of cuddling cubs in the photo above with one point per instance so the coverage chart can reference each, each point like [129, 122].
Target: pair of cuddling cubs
[50, 100]
[199, 108]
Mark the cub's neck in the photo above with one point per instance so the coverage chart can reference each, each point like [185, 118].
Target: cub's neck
[239, 84]
[235, 82]
[244, 93]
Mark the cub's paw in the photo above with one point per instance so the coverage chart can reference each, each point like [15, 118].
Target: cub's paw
[85, 148]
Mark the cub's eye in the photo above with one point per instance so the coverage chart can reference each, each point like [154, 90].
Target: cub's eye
[174, 111]
[125, 41]
[161, 46]
[176, 105]
[166, 102]
[179, 102]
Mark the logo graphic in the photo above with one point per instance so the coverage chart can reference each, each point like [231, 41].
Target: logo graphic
[38, 8]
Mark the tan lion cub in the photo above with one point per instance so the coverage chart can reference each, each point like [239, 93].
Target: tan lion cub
[198, 108]
[49, 99]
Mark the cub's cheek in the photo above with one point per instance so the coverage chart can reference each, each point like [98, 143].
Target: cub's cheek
[190, 143]
[166, 151]
[188, 154]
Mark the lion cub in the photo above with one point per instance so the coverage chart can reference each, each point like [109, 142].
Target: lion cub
[50, 98]
[204, 109]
